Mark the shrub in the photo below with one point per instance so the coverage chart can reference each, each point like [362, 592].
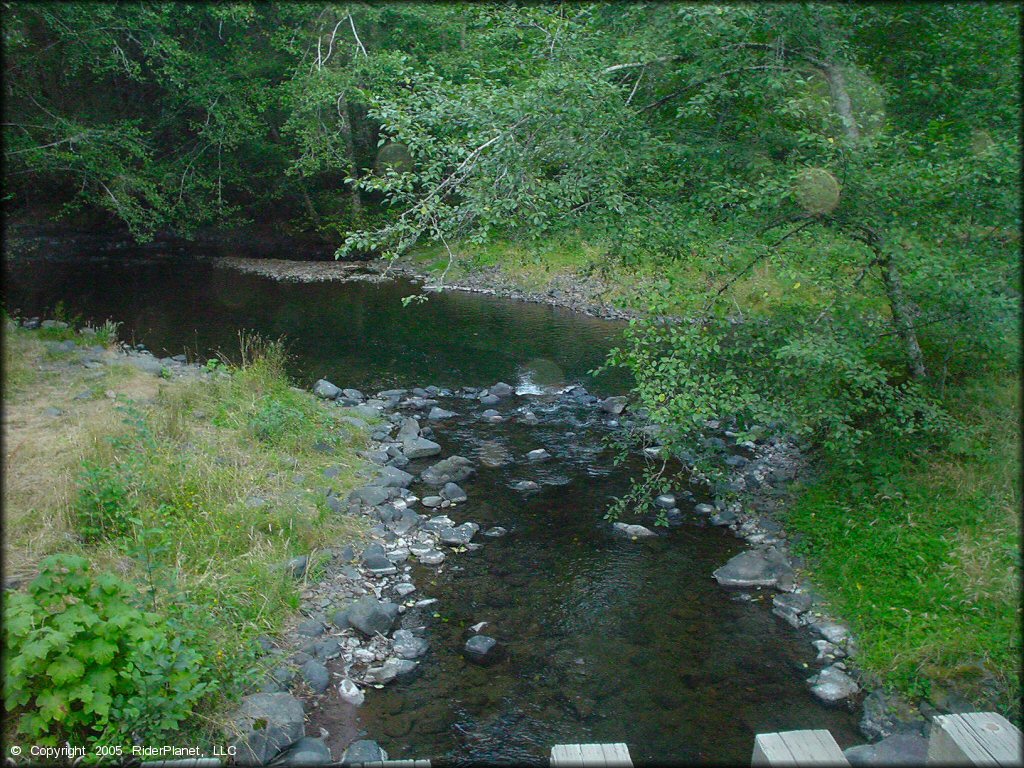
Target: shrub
[86, 665]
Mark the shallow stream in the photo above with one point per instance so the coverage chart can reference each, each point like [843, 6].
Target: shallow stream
[607, 639]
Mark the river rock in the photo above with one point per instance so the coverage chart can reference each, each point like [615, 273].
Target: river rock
[323, 388]
[363, 751]
[430, 502]
[481, 649]
[501, 389]
[353, 394]
[898, 749]
[409, 429]
[370, 495]
[459, 536]
[495, 532]
[538, 455]
[454, 469]
[420, 448]
[431, 557]
[407, 520]
[790, 606]
[316, 676]
[525, 485]
[827, 651]
[350, 692]
[831, 631]
[265, 725]
[389, 670]
[437, 414]
[633, 531]
[408, 646]
[371, 616]
[492, 415]
[325, 650]
[833, 684]
[392, 477]
[405, 588]
[704, 509]
[665, 501]
[489, 399]
[380, 565]
[310, 628]
[613, 405]
[453, 493]
[306, 751]
[754, 568]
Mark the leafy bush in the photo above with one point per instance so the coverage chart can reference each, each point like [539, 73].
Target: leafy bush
[85, 664]
[105, 507]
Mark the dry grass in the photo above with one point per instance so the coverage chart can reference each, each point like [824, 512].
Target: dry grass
[43, 453]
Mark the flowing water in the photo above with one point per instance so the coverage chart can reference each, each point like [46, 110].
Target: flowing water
[606, 639]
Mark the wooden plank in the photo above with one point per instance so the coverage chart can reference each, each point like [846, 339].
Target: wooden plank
[592, 755]
[1001, 738]
[816, 747]
[770, 749]
[617, 755]
[566, 755]
[952, 741]
[797, 748]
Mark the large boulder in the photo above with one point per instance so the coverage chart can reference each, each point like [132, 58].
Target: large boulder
[323, 388]
[265, 725]
[454, 469]
[754, 568]
[371, 616]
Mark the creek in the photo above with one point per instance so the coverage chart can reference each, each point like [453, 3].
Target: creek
[607, 639]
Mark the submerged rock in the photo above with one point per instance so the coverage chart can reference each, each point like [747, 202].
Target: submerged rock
[408, 646]
[525, 485]
[898, 749]
[481, 649]
[633, 531]
[454, 469]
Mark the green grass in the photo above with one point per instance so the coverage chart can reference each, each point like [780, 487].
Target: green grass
[159, 486]
[925, 565]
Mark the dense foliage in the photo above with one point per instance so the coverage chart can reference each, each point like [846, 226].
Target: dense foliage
[86, 663]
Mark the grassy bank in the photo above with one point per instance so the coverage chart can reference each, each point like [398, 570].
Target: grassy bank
[925, 565]
[921, 557]
[185, 497]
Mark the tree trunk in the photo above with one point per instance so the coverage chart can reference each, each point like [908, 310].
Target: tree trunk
[903, 317]
[841, 100]
[348, 131]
